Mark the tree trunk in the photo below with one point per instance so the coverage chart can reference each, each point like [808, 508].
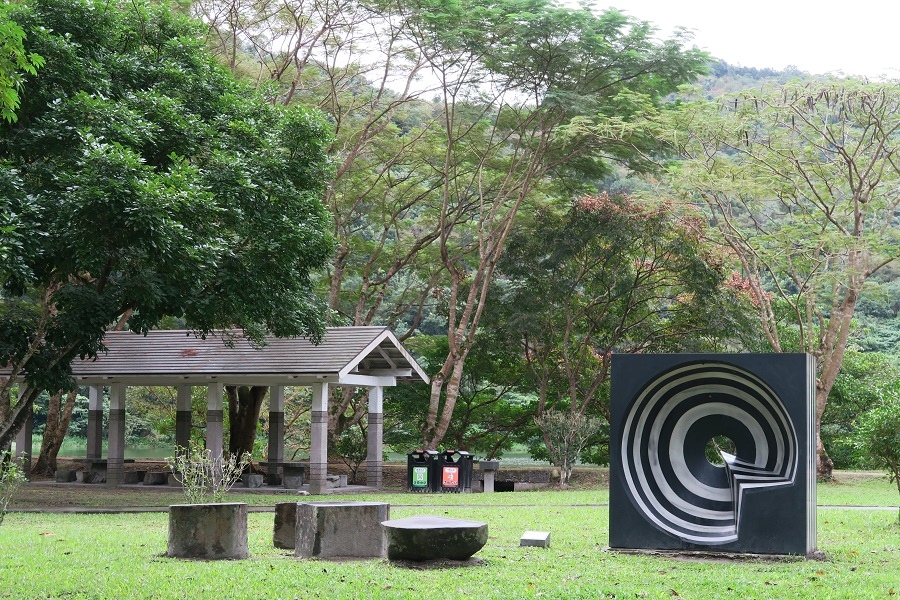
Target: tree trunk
[244, 405]
[58, 418]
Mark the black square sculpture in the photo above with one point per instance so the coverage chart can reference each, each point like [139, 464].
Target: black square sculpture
[664, 492]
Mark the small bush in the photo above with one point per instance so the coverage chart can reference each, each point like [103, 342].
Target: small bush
[206, 478]
[878, 435]
[11, 477]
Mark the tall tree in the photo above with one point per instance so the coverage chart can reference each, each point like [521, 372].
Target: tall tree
[426, 193]
[802, 181]
[611, 274]
[143, 181]
[355, 62]
[59, 414]
[516, 77]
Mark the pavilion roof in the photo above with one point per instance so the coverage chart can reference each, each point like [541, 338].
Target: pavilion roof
[346, 356]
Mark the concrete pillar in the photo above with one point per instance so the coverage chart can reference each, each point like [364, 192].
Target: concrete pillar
[183, 417]
[214, 433]
[374, 435]
[318, 448]
[276, 429]
[95, 422]
[115, 451]
[23, 438]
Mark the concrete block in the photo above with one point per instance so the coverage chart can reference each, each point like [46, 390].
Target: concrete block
[65, 476]
[285, 532]
[540, 539]
[208, 531]
[156, 477]
[340, 529]
[428, 537]
[252, 480]
[131, 477]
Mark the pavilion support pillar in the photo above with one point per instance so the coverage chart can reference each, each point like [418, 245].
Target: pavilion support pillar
[374, 433]
[23, 438]
[115, 451]
[183, 417]
[276, 430]
[95, 422]
[318, 448]
[214, 433]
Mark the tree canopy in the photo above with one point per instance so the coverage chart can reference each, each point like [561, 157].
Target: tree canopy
[142, 181]
[801, 182]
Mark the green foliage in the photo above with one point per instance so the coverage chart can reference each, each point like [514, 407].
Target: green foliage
[14, 62]
[866, 378]
[206, 478]
[610, 275]
[142, 180]
[11, 478]
[352, 448]
[491, 411]
[879, 436]
[567, 433]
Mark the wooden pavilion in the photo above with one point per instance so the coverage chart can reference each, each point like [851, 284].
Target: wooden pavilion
[369, 357]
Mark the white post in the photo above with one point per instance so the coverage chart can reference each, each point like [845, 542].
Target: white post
[95, 422]
[214, 433]
[374, 435]
[318, 449]
[115, 452]
[23, 438]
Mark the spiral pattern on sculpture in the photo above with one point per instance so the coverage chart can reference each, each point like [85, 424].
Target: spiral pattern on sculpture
[665, 435]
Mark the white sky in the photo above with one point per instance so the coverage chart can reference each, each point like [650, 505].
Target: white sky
[856, 38]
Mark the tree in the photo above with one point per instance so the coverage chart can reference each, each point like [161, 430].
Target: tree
[425, 193]
[518, 80]
[142, 181]
[568, 433]
[864, 380]
[610, 275]
[58, 416]
[244, 406]
[879, 436]
[801, 181]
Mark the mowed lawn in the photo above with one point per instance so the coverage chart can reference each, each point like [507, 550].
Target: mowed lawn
[114, 556]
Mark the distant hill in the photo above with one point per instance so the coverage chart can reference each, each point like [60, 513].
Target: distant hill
[725, 78]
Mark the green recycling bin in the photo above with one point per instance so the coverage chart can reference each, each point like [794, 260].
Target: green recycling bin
[420, 470]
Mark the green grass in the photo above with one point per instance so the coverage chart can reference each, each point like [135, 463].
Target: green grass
[116, 556]
[121, 556]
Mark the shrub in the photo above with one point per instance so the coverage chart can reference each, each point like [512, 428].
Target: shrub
[206, 478]
[11, 477]
[878, 434]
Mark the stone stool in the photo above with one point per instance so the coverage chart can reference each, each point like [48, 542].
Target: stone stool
[284, 534]
[340, 529]
[429, 537]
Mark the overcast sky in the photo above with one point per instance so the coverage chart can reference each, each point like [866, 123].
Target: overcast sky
[857, 38]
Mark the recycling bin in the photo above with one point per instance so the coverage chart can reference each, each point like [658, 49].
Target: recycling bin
[421, 467]
[454, 471]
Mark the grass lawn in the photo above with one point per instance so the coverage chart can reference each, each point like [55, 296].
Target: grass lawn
[121, 556]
